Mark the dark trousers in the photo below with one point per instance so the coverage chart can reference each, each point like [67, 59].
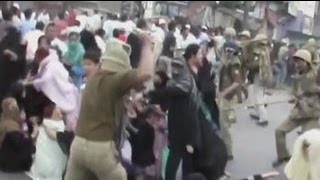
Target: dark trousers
[173, 162]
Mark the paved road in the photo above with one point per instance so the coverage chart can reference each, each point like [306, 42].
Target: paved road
[21, 176]
[254, 146]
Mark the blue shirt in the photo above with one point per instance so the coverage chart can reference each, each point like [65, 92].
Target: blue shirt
[26, 26]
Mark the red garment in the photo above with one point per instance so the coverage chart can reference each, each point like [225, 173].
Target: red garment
[123, 38]
[40, 54]
[61, 25]
[72, 18]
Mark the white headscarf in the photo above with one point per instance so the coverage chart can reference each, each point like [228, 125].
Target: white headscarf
[305, 161]
[54, 82]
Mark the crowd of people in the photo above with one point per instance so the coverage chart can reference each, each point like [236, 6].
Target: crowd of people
[83, 97]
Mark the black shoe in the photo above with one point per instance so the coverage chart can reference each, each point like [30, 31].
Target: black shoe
[263, 123]
[230, 157]
[254, 117]
[280, 162]
[268, 93]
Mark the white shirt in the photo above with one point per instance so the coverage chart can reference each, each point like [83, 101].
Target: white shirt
[121, 25]
[71, 29]
[31, 38]
[177, 33]
[16, 21]
[101, 44]
[203, 37]
[96, 21]
[90, 25]
[220, 41]
[83, 19]
[62, 46]
[49, 161]
[183, 43]
[211, 55]
[109, 26]
[158, 34]
[23, 18]
[129, 26]
[45, 18]
[82, 87]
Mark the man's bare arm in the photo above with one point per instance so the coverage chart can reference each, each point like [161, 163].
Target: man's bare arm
[147, 60]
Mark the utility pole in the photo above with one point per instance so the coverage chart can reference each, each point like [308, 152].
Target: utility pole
[265, 20]
[213, 11]
[316, 19]
[245, 14]
[132, 6]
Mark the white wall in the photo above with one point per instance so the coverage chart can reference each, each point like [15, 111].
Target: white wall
[26, 4]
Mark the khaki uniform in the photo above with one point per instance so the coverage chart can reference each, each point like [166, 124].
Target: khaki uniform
[260, 70]
[305, 114]
[94, 160]
[227, 118]
[313, 51]
[243, 56]
[262, 61]
[229, 74]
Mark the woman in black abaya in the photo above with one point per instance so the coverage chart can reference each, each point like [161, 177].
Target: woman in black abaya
[12, 61]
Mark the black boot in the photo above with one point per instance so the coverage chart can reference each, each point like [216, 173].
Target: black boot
[263, 123]
[254, 116]
[280, 161]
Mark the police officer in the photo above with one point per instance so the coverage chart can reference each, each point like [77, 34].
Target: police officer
[244, 36]
[259, 74]
[311, 46]
[229, 82]
[306, 111]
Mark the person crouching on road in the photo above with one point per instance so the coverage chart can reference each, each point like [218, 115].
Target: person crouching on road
[307, 104]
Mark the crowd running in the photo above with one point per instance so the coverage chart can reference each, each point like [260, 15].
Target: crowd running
[113, 98]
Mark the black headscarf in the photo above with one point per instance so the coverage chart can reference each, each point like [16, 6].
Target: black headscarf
[135, 44]
[181, 77]
[11, 39]
[88, 40]
[11, 70]
[169, 44]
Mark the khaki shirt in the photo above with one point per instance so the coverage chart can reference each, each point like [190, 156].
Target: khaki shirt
[310, 101]
[103, 104]
[313, 52]
[265, 67]
[257, 59]
[229, 74]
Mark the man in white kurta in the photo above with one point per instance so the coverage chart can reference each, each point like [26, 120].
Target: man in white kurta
[185, 38]
[31, 39]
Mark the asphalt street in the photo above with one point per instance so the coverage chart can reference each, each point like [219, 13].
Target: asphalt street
[254, 146]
